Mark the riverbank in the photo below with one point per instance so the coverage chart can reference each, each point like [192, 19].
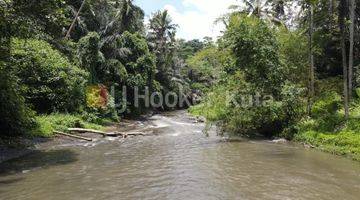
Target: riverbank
[45, 139]
[11, 148]
[176, 163]
[343, 144]
[332, 135]
[21, 146]
[47, 124]
[327, 130]
[43, 136]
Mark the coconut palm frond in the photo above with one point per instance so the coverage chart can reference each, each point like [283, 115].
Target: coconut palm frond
[234, 7]
[123, 52]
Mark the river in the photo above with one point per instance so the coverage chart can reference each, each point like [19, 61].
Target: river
[179, 162]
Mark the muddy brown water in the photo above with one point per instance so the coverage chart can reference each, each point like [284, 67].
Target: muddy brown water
[179, 162]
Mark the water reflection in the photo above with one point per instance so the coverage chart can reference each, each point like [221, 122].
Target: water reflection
[180, 162]
[38, 159]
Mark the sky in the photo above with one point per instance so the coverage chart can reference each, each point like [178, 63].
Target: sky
[195, 17]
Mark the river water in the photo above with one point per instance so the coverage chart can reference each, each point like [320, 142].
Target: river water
[179, 162]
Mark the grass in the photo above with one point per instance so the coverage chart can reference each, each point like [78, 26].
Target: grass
[331, 133]
[47, 124]
[342, 143]
[327, 130]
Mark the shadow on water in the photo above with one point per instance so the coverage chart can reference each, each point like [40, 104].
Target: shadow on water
[10, 181]
[37, 159]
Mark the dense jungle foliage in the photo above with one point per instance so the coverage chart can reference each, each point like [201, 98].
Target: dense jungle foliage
[280, 69]
[48, 68]
[271, 52]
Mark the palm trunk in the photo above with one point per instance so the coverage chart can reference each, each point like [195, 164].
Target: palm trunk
[343, 51]
[331, 12]
[351, 51]
[312, 65]
[5, 32]
[74, 21]
[331, 7]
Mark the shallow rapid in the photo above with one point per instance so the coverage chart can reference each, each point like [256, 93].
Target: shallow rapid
[179, 162]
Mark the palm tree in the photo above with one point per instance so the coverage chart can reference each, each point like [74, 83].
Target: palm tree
[279, 8]
[258, 8]
[342, 15]
[161, 31]
[161, 26]
[128, 15]
[312, 65]
[162, 40]
[124, 16]
[307, 10]
[264, 9]
[351, 51]
[331, 7]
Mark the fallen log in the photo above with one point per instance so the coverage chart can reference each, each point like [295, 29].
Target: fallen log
[124, 135]
[115, 134]
[136, 134]
[104, 134]
[82, 130]
[73, 136]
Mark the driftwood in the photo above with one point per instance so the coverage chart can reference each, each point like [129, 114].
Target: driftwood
[104, 134]
[308, 146]
[136, 134]
[115, 134]
[82, 130]
[73, 136]
[124, 135]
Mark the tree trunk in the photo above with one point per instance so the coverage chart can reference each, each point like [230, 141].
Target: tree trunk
[331, 13]
[74, 136]
[343, 52]
[331, 7]
[74, 21]
[351, 51]
[312, 65]
[82, 130]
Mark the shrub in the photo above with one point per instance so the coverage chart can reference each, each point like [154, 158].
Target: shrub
[47, 124]
[326, 112]
[139, 63]
[115, 72]
[204, 68]
[254, 46]
[214, 107]
[257, 73]
[228, 103]
[100, 102]
[327, 104]
[15, 117]
[49, 81]
[294, 53]
[91, 58]
[332, 84]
